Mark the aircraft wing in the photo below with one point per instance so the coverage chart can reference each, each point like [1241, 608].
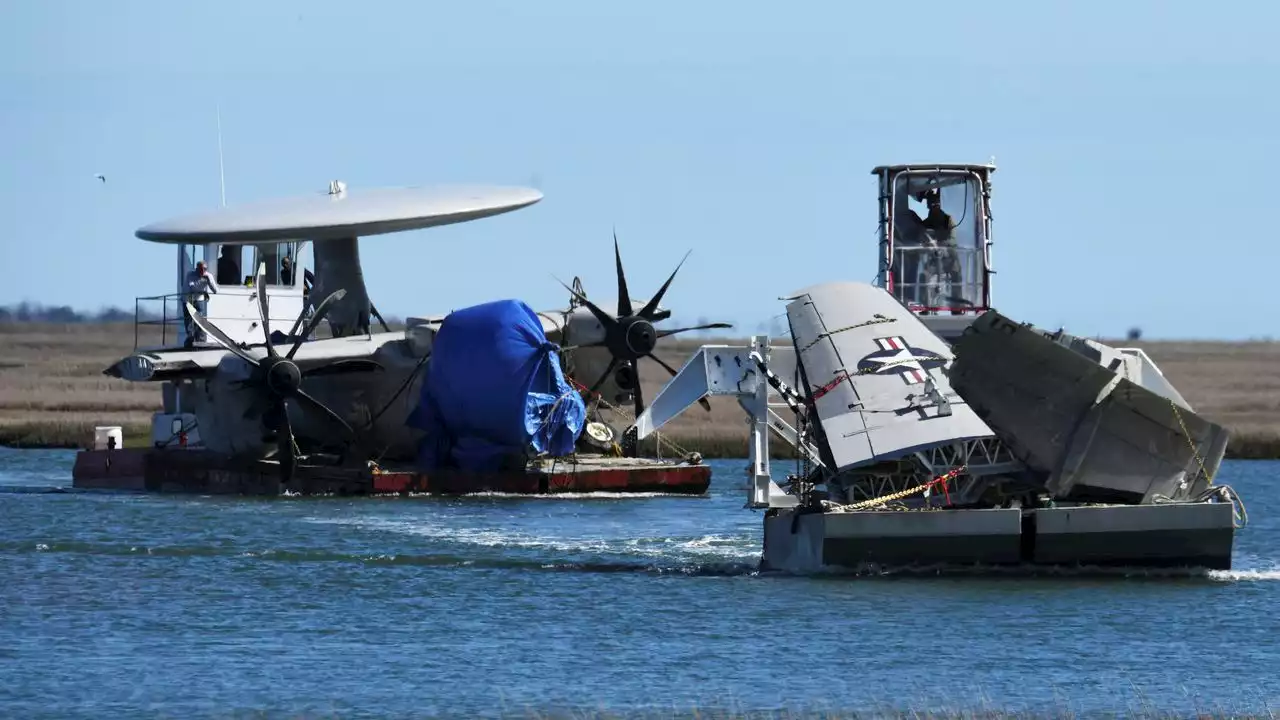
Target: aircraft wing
[1064, 407]
[875, 374]
[552, 323]
[184, 363]
[201, 362]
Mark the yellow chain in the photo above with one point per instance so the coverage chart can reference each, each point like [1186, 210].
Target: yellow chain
[1195, 450]
[902, 493]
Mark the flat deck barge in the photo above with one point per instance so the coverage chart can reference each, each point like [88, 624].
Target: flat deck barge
[209, 473]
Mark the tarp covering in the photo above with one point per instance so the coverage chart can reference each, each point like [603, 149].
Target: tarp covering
[494, 391]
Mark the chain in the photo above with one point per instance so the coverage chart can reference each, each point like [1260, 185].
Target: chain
[1195, 449]
[941, 479]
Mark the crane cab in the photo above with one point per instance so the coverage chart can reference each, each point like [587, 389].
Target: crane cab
[935, 241]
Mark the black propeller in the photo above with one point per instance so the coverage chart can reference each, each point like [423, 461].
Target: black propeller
[278, 379]
[630, 335]
[309, 281]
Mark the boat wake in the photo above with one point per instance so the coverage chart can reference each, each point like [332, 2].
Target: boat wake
[733, 554]
[442, 560]
[700, 557]
[715, 547]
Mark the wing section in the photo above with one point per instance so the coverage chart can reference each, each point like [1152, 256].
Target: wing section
[1065, 407]
[875, 375]
[192, 363]
[552, 322]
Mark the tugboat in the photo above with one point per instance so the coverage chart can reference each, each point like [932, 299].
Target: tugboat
[935, 431]
[482, 399]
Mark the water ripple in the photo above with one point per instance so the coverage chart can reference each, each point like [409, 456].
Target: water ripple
[128, 604]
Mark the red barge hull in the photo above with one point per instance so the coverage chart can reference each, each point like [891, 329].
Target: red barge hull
[209, 473]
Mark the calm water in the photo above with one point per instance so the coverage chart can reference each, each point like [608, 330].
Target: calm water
[118, 605]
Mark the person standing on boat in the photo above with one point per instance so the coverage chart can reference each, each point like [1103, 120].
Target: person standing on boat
[229, 265]
[908, 232]
[199, 285]
[286, 271]
[941, 234]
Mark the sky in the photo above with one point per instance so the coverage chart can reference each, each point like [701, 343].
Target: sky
[1135, 144]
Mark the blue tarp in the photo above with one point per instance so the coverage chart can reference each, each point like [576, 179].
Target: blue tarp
[494, 389]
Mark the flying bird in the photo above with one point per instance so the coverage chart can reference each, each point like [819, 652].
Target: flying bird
[101, 177]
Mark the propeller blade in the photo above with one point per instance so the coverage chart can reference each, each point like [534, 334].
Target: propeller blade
[624, 300]
[212, 331]
[711, 326]
[298, 323]
[339, 367]
[706, 405]
[316, 317]
[260, 291]
[647, 311]
[284, 447]
[637, 393]
[374, 311]
[321, 408]
[601, 315]
[613, 363]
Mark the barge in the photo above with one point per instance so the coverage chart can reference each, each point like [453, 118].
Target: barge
[256, 401]
[935, 431]
[208, 473]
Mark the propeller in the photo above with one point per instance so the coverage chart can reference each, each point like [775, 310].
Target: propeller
[630, 335]
[278, 379]
[309, 281]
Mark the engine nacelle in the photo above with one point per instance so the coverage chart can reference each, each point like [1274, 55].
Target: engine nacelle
[219, 403]
[585, 363]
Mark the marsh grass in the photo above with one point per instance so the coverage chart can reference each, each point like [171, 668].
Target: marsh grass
[53, 392]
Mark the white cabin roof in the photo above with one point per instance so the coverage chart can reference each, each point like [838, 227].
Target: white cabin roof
[355, 213]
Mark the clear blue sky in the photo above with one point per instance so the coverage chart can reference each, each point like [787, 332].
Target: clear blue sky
[1136, 144]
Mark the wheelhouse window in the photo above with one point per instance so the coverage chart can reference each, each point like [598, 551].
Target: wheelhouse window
[281, 263]
[937, 258]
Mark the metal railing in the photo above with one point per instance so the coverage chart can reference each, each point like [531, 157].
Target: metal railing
[937, 278]
[164, 318]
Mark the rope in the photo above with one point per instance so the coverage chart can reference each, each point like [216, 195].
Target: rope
[552, 411]
[939, 480]
[1240, 515]
[631, 418]
[878, 319]
[791, 397]
[403, 386]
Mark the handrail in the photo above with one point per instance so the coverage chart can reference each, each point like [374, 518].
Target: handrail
[920, 273]
[177, 315]
[164, 321]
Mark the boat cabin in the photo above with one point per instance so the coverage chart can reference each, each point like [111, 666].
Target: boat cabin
[233, 308]
[935, 240]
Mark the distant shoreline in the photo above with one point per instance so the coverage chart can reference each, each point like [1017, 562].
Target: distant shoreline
[53, 392]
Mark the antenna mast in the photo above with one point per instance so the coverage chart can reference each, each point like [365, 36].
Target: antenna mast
[222, 177]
